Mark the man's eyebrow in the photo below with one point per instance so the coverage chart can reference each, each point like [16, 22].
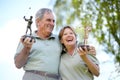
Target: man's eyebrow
[51, 20]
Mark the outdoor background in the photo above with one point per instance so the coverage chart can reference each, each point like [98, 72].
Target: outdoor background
[12, 26]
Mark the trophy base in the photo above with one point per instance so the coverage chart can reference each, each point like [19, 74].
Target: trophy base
[83, 46]
[25, 36]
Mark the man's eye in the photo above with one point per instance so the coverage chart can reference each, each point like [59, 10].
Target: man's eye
[48, 20]
[53, 20]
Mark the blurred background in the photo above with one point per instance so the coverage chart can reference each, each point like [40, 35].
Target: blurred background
[101, 15]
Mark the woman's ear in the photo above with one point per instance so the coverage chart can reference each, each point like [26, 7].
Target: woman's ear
[61, 41]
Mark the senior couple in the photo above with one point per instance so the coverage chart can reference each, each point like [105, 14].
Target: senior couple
[54, 57]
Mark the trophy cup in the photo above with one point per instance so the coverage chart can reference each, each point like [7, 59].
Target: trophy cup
[86, 33]
[28, 28]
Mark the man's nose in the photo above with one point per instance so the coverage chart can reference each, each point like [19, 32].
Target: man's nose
[52, 23]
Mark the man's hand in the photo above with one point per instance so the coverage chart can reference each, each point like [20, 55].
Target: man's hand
[27, 41]
[92, 50]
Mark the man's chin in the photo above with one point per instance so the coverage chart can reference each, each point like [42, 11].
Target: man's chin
[49, 33]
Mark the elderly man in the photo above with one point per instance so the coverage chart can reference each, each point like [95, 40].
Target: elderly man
[40, 59]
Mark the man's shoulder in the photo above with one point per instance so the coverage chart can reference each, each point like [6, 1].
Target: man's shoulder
[54, 35]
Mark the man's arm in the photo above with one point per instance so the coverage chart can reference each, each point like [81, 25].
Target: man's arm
[22, 57]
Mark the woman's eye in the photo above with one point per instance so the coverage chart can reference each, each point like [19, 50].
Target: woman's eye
[65, 34]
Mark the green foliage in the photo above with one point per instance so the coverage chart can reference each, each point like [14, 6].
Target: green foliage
[102, 15]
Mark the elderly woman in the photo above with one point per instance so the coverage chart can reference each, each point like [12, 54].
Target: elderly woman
[76, 62]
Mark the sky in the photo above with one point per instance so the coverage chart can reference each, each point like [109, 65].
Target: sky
[12, 26]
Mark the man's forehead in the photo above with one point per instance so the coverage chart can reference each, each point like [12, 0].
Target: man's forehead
[49, 15]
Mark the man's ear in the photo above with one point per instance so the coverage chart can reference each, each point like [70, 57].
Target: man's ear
[38, 21]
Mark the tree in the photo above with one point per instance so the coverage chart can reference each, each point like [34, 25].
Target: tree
[102, 15]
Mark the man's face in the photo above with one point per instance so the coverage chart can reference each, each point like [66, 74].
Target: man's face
[46, 24]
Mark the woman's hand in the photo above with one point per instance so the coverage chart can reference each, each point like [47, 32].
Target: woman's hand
[86, 49]
[82, 51]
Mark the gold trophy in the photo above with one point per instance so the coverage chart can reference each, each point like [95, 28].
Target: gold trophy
[86, 33]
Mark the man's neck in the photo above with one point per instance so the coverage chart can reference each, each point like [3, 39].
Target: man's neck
[43, 36]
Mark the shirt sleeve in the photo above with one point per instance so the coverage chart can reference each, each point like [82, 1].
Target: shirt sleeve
[19, 48]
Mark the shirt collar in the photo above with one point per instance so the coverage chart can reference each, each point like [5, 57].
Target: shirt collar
[52, 36]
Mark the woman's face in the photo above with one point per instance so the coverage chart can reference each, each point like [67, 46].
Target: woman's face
[68, 37]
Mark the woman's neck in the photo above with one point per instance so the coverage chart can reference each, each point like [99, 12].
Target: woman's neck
[71, 49]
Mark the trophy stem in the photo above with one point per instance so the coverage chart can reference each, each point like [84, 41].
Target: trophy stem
[86, 33]
[85, 41]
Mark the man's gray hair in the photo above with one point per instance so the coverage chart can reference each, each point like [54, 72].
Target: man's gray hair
[40, 13]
